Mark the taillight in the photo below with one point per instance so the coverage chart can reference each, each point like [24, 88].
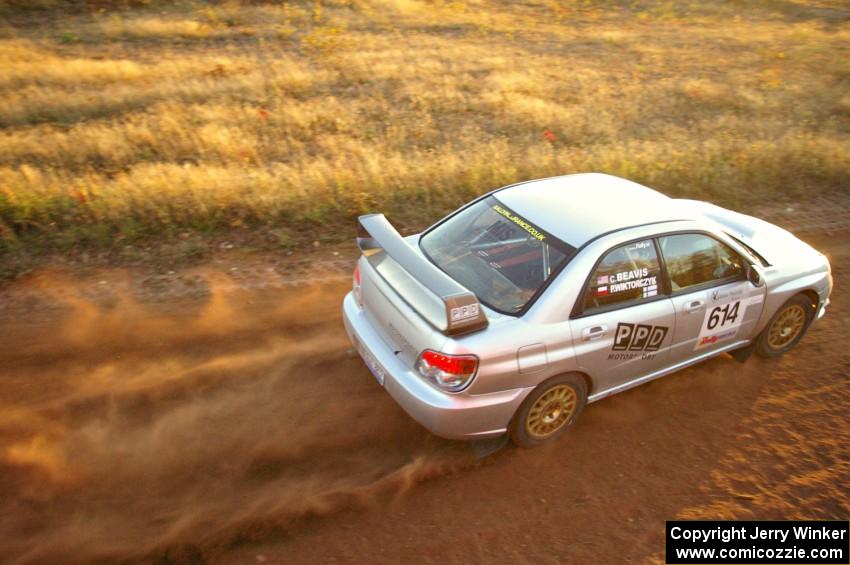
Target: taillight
[449, 372]
[355, 285]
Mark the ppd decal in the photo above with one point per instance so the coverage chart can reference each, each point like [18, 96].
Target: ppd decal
[638, 340]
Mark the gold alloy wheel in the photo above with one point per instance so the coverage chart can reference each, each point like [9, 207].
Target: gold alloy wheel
[786, 327]
[551, 411]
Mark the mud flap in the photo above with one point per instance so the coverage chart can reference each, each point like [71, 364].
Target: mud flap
[485, 447]
[744, 353]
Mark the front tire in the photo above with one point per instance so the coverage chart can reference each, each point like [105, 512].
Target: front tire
[549, 410]
[786, 328]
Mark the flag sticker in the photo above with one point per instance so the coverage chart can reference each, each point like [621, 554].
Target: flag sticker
[602, 280]
[602, 290]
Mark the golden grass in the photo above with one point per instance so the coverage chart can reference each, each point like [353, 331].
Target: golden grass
[124, 123]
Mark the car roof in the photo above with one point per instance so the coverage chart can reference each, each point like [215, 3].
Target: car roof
[581, 207]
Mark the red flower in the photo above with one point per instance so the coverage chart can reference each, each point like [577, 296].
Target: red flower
[80, 196]
[550, 136]
[264, 114]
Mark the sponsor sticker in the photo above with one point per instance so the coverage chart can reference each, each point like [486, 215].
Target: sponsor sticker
[712, 339]
[534, 231]
[638, 245]
[637, 340]
[463, 312]
[723, 296]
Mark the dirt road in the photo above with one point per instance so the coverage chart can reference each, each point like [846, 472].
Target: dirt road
[237, 428]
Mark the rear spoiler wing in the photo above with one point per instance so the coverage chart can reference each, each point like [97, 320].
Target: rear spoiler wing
[441, 300]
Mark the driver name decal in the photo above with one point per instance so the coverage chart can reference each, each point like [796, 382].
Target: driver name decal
[628, 280]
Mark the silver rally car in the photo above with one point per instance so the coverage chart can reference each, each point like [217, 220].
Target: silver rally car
[516, 310]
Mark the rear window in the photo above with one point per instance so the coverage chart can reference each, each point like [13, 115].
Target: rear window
[497, 254]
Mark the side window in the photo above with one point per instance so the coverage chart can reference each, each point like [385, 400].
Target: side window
[694, 258]
[627, 274]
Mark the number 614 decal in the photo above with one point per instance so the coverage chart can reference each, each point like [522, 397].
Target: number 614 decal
[722, 314]
[721, 323]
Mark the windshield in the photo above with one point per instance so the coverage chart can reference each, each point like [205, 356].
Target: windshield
[500, 256]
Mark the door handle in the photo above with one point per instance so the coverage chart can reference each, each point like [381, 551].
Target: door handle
[694, 306]
[593, 332]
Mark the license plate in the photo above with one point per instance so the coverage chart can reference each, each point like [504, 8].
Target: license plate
[372, 363]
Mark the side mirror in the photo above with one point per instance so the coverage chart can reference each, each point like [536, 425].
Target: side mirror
[754, 276]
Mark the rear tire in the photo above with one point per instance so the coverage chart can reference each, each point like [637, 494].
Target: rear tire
[550, 409]
[786, 328]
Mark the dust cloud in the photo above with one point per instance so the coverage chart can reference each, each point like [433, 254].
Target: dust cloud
[133, 432]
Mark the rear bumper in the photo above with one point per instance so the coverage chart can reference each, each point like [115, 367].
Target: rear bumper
[452, 416]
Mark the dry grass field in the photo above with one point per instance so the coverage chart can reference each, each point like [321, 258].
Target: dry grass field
[126, 123]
